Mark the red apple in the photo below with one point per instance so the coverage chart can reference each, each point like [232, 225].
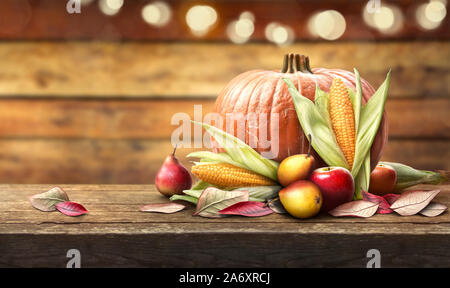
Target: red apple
[382, 180]
[336, 184]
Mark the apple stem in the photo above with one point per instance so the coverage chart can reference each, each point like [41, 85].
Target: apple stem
[309, 148]
[175, 149]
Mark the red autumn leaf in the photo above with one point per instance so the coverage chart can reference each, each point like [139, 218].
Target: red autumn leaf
[383, 205]
[358, 208]
[248, 209]
[391, 198]
[163, 207]
[71, 208]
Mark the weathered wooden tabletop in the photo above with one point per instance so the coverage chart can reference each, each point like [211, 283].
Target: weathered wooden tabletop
[116, 234]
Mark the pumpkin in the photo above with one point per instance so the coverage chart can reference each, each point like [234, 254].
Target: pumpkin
[263, 92]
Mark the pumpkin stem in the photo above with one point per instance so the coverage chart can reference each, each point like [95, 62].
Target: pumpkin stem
[296, 63]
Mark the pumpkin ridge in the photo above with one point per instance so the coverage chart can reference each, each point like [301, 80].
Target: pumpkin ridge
[258, 81]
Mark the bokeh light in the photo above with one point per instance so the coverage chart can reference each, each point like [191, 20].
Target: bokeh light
[329, 25]
[110, 7]
[388, 19]
[241, 30]
[430, 15]
[200, 19]
[279, 34]
[157, 13]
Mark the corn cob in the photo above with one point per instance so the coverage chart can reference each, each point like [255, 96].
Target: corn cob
[342, 119]
[229, 176]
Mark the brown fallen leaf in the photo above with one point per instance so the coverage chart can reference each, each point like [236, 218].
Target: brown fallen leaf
[359, 208]
[412, 202]
[163, 207]
[433, 209]
[46, 201]
[212, 200]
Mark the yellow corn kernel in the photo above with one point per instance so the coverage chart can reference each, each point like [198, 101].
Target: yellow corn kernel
[229, 176]
[342, 119]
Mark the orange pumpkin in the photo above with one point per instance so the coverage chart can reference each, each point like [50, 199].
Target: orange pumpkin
[261, 91]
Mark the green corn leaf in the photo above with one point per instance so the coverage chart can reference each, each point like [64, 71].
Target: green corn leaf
[200, 185]
[313, 123]
[208, 156]
[321, 100]
[362, 180]
[193, 193]
[357, 102]
[369, 122]
[187, 198]
[261, 193]
[243, 154]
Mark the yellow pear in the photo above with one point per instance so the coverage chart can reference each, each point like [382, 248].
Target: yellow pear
[295, 167]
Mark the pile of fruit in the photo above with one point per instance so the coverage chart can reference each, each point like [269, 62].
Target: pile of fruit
[340, 172]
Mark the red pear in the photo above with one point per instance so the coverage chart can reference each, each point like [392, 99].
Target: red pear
[172, 178]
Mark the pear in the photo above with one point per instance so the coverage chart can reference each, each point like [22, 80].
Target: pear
[172, 178]
[296, 167]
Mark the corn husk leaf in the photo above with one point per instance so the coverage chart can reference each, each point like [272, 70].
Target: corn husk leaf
[313, 123]
[211, 157]
[357, 99]
[186, 198]
[243, 154]
[261, 193]
[369, 122]
[362, 180]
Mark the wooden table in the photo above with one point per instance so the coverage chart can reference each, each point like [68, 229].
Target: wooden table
[116, 234]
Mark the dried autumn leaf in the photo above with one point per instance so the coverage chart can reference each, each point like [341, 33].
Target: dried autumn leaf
[163, 207]
[46, 201]
[391, 198]
[412, 202]
[276, 206]
[359, 208]
[433, 209]
[383, 205]
[71, 208]
[212, 200]
[248, 209]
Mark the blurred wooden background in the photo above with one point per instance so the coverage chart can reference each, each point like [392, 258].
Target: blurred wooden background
[88, 98]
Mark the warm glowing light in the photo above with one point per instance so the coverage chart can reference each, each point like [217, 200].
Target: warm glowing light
[200, 19]
[279, 34]
[329, 25]
[435, 11]
[388, 19]
[430, 15]
[241, 30]
[157, 13]
[247, 15]
[384, 19]
[110, 7]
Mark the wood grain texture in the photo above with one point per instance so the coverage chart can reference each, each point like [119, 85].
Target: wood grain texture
[137, 161]
[48, 19]
[130, 69]
[116, 234]
[151, 119]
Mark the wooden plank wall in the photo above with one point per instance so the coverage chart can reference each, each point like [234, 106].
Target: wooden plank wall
[99, 111]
